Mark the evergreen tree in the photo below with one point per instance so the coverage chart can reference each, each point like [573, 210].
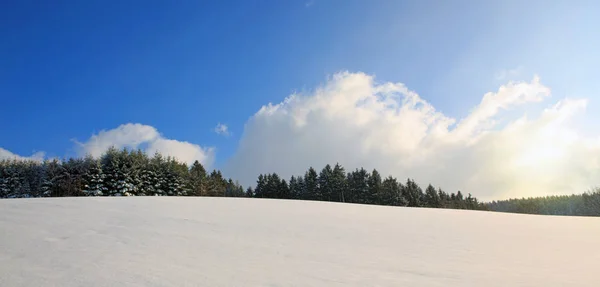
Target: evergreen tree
[459, 201]
[260, 186]
[413, 193]
[358, 187]
[54, 181]
[338, 183]
[293, 187]
[432, 198]
[444, 198]
[391, 193]
[374, 182]
[74, 171]
[311, 182]
[249, 192]
[283, 189]
[93, 179]
[157, 173]
[300, 188]
[4, 178]
[217, 184]
[197, 179]
[325, 184]
[13, 183]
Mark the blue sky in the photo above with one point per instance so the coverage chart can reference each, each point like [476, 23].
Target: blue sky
[69, 69]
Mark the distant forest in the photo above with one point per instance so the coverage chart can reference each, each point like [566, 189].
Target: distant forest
[134, 173]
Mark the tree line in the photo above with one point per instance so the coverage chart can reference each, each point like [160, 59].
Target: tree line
[359, 186]
[115, 173]
[586, 204]
[134, 173]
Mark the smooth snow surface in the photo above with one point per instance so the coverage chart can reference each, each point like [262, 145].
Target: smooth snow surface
[169, 241]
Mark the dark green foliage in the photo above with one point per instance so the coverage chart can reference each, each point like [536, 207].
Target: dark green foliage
[115, 173]
[217, 185]
[134, 173]
[297, 188]
[311, 185]
[338, 183]
[197, 179]
[391, 193]
[234, 189]
[432, 198]
[587, 204]
[412, 193]
[374, 190]
[358, 187]
[326, 184]
[249, 192]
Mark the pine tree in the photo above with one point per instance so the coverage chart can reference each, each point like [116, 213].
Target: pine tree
[413, 193]
[300, 188]
[93, 178]
[13, 180]
[293, 187]
[459, 201]
[198, 179]
[216, 184]
[261, 183]
[249, 192]
[311, 181]
[391, 193]
[52, 185]
[139, 163]
[338, 183]
[74, 170]
[432, 198]
[158, 176]
[374, 182]
[4, 175]
[283, 189]
[326, 184]
[358, 186]
[444, 198]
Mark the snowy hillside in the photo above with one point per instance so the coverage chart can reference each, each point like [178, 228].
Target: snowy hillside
[170, 241]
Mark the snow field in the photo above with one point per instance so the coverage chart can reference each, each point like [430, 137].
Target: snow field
[187, 241]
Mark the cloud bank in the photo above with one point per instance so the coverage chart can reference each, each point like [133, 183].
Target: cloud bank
[358, 122]
[5, 154]
[146, 137]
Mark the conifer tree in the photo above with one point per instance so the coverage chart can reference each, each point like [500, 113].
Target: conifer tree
[432, 198]
[93, 178]
[374, 182]
[249, 192]
[413, 193]
[358, 186]
[311, 181]
[261, 183]
[300, 188]
[325, 184]
[293, 187]
[390, 192]
[338, 183]
[197, 179]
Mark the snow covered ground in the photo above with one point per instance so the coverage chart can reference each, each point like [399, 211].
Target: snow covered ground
[169, 241]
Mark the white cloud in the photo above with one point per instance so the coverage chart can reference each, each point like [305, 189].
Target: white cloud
[357, 122]
[5, 154]
[309, 3]
[222, 129]
[139, 136]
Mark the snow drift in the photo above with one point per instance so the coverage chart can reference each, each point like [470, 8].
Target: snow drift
[169, 241]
